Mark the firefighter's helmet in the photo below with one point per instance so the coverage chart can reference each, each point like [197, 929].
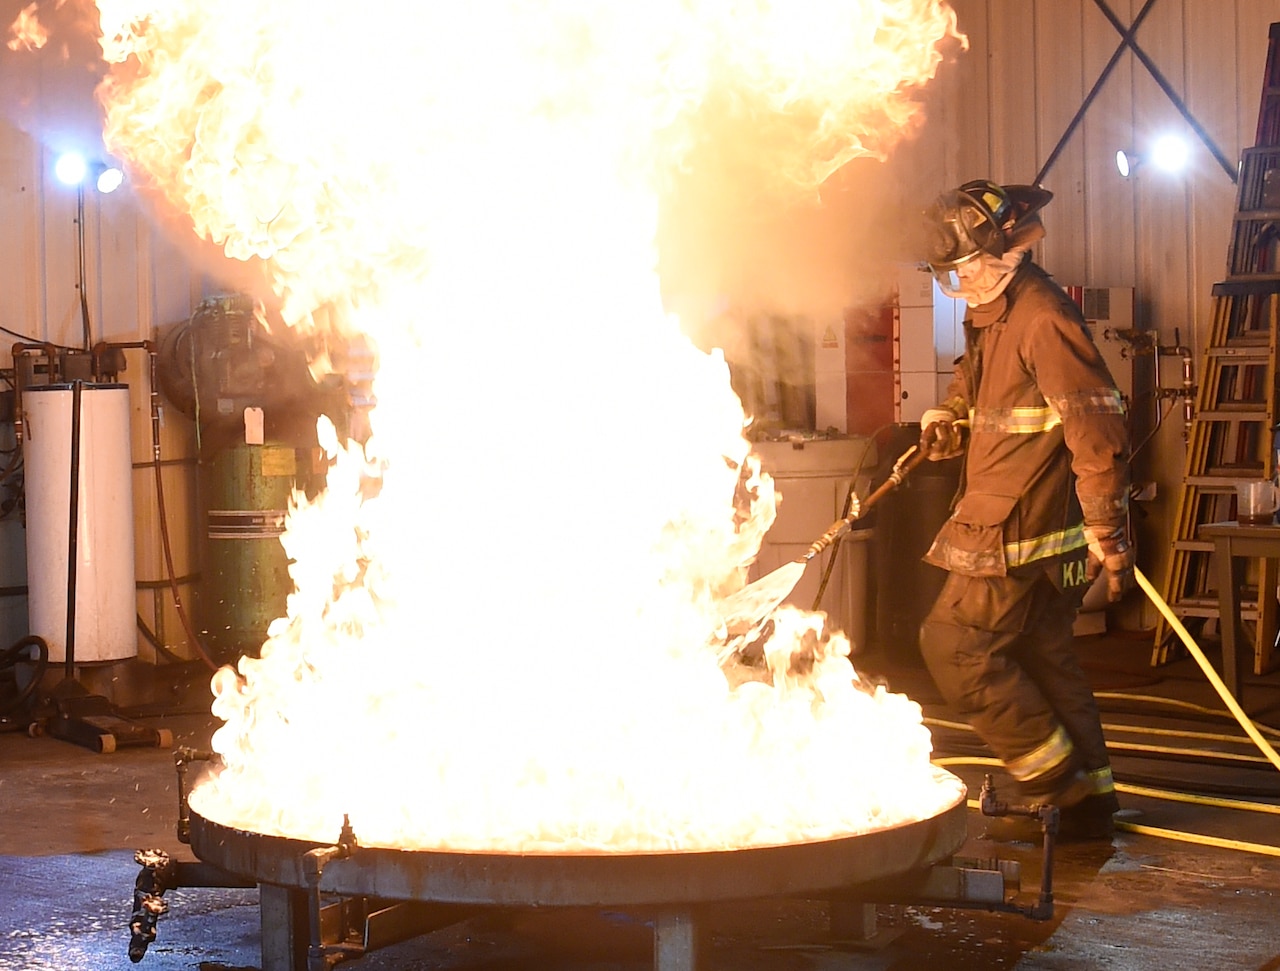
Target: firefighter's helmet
[977, 218]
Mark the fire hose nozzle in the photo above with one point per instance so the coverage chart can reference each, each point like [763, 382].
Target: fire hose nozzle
[900, 468]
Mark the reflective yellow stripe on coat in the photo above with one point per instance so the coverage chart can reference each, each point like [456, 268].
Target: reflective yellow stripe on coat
[1025, 420]
[1029, 420]
[1057, 543]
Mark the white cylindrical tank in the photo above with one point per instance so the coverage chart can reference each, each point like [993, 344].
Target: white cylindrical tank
[106, 605]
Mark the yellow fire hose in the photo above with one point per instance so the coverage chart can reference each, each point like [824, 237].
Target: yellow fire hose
[1227, 698]
[1237, 712]
[1263, 849]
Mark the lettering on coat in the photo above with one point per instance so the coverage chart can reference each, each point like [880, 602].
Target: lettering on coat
[1074, 574]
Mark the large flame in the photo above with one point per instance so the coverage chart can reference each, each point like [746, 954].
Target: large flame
[26, 31]
[511, 642]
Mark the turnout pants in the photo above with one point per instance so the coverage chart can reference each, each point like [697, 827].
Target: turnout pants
[1000, 649]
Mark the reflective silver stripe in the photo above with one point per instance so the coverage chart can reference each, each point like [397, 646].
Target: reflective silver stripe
[1050, 544]
[1043, 759]
[1103, 780]
[1094, 401]
[1028, 420]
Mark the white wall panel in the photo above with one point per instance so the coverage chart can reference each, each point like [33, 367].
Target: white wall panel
[21, 293]
[1060, 88]
[1012, 84]
[1110, 202]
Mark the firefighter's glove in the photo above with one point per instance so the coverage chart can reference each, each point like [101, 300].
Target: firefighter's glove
[941, 436]
[1109, 550]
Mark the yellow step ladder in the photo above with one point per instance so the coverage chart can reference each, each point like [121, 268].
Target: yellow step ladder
[1238, 401]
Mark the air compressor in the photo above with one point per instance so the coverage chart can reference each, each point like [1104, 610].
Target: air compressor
[255, 407]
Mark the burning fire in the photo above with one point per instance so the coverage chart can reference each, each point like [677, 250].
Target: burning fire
[511, 642]
[26, 32]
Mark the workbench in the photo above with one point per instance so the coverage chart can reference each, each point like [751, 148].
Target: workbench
[1233, 545]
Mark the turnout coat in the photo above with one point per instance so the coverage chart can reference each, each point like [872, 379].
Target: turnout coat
[1032, 380]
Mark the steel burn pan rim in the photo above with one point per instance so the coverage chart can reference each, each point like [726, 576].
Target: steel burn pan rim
[591, 880]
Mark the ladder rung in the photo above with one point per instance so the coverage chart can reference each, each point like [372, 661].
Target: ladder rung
[1247, 283]
[1229, 439]
[1225, 470]
[1243, 350]
[1206, 607]
[1234, 414]
[1224, 484]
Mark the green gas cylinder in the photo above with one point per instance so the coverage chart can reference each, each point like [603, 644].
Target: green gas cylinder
[245, 492]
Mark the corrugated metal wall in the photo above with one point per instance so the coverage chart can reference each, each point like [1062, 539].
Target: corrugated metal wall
[998, 111]
[1003, 107]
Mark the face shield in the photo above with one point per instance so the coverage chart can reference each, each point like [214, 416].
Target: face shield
[952, 280]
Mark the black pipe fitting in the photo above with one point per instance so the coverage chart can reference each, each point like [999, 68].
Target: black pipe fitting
[158, 875]
[1049, 817]
[183, 756]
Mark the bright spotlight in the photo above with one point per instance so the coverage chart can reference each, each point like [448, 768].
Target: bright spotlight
[70, 168]
[1170, 153]
[1126, 163]
[109, 179]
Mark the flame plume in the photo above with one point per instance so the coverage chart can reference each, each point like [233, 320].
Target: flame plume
[26, 31]
[511, 646]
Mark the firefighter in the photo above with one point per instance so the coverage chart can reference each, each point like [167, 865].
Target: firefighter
[1041, 512]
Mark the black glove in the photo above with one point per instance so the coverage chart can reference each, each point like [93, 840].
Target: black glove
[940, 434]
[1109, 550]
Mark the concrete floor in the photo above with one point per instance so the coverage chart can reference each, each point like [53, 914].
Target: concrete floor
[71, 819]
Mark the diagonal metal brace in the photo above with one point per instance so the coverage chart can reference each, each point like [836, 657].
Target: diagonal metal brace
[1127, 37]
[1167, 88]
[1127, 40]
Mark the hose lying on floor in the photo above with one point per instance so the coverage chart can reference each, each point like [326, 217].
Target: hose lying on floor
[1200, 839]
[1227, 698]
[1232, 705]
